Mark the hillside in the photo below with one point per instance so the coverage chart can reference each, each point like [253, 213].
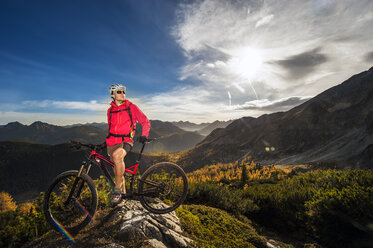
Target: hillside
[28, 168]
[211, 127]
[45, 133]
[129, 225]
[169, 137]
[189, 126]
[335, 126]
[319, 208]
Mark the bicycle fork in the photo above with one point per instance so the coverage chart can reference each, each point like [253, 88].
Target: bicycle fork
[84, 170]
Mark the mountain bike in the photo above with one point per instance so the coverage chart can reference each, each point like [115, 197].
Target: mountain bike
[71, 199]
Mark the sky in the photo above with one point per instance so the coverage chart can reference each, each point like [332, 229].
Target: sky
[197, 61]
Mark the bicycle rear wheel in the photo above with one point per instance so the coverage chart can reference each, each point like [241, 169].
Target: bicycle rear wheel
[70, 202]
[163, 187]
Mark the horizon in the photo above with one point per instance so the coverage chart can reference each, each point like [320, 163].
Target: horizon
[196, 61]
[86, 123]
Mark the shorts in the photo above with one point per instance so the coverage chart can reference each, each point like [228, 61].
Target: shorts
[126, 146]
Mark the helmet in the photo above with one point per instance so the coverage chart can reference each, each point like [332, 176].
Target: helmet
[115, 87]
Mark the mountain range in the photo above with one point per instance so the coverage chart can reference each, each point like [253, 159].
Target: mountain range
[189, 126]
[169, 137]
[202, 128]
[335, 127]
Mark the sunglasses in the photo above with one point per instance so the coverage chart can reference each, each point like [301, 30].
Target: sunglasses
[120, 92]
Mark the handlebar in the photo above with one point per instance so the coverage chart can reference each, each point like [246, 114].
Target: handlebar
[146, 141]
[78, 144]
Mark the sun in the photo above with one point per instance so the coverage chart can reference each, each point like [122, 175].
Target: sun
[246, 62]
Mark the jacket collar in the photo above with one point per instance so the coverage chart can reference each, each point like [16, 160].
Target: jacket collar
[123, 105]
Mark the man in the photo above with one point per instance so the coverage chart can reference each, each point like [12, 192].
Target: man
[122, 117]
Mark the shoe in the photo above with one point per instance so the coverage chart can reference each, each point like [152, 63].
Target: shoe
[116, 198]
[127, 196]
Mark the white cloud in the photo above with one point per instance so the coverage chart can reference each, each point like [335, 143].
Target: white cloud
[250, 47]
[183, 103]
[265, 20]
[277, 105]
[88, 106]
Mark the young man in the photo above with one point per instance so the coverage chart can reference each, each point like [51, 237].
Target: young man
[122, 117]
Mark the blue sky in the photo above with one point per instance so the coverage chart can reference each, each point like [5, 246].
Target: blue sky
[180, 60]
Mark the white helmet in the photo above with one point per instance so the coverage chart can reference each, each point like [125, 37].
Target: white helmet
[115, 87]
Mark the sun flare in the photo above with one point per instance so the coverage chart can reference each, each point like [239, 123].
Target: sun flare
[246, 62]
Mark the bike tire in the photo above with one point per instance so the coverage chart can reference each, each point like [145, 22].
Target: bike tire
[148, 202]
[52, 218]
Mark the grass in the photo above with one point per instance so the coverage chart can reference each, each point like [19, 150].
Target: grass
[211, 227]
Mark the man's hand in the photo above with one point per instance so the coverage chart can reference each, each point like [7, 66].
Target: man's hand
[142, 139]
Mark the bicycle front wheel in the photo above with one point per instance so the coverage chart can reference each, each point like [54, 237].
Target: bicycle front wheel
[163, 187]
[70, 202]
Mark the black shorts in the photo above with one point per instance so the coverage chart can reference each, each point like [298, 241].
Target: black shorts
[126, 146]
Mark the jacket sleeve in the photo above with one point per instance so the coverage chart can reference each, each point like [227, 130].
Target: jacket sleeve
[141, 118]
[108, 117]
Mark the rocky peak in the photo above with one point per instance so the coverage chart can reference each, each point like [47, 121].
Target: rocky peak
[126, 225]
[39, 124]
[13, 124]
[133, 222]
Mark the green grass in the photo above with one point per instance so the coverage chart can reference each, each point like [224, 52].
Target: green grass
[211, 227]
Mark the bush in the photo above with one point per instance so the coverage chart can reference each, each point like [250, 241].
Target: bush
[223, 197]
[332, 207]
[211, 227]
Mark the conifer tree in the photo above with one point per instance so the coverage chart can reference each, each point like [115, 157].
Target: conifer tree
[6, 202]
[244, 175]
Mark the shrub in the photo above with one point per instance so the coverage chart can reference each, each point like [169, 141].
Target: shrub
[211, 227]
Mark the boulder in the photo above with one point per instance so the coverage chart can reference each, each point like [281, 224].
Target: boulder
[159, 230]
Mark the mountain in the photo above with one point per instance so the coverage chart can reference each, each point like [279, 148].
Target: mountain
[334, 127]
[216, 124]
[50, 134]
[102, 125]
[169, 137]
[189, 126]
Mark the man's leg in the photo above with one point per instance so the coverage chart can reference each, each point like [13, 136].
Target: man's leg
[118, 156]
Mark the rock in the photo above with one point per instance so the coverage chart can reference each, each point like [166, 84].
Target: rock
[113, 245]
[153, 243]
[159, 230]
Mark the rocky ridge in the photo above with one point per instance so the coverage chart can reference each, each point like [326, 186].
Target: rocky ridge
[334, 127]
[158, 230]
[126, 225]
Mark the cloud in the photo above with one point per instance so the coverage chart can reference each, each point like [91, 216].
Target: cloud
[265, 20]
[369, 57]
[193, 103]
[87, 106]
[272, 106]
[51, 118]
[302, 64]
[227, 29]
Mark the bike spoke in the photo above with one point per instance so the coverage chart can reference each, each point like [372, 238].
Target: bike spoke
[69, 211]
[163, 187]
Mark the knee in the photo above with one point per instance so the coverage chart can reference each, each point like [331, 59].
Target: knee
[118, 156]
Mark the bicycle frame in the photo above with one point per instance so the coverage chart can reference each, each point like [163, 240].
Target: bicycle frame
[98, 158]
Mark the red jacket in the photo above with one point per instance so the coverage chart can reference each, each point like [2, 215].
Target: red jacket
[120, 122]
